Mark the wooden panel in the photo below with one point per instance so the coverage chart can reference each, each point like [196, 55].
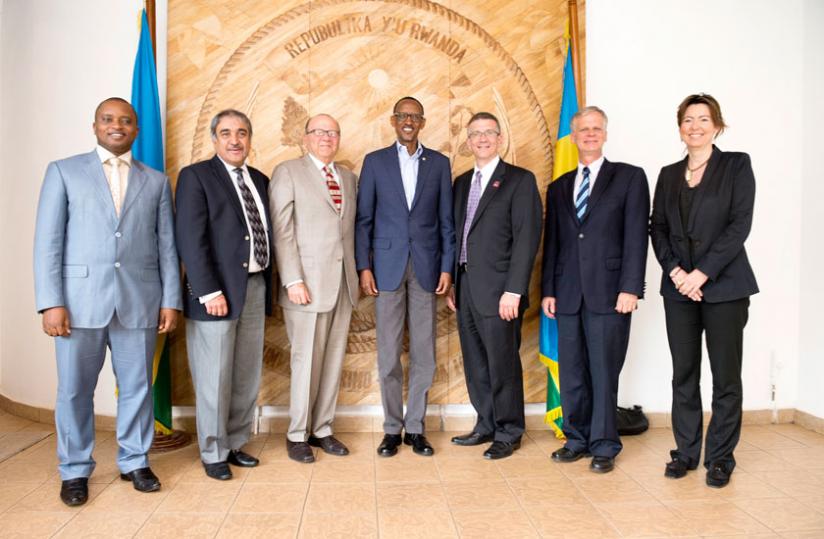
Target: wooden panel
[282, 61]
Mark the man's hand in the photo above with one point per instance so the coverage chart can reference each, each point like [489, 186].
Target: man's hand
[548, 306]
[167, 321]
[299, 294]
[444, 284]
[450, 299]
[508, 306]
[367, 283]
[217, 306]
[56, 322]
[626, 303]
[690, 285]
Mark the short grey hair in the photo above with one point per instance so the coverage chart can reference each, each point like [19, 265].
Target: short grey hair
[589, 109]
[228, 113]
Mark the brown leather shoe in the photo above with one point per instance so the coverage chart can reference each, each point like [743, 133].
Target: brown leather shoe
[300, 451]
[330, 445]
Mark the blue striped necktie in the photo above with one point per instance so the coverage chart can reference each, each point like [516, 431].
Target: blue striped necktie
[582, 197]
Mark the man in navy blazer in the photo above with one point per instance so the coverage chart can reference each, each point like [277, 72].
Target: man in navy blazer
[404, 251]
[595, 253]
[224, 240]
[106, 275]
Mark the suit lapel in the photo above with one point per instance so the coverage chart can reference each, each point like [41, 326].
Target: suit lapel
[674, 196]
[495, 182]
[601, 184]
[318, 183]
[137, 180]
[706, 180]
[225, 182]
[423, 174]
[461, 193]
[393, 162]
[94, 168]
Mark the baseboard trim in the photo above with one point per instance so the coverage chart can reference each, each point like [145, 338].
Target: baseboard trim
[439, 417]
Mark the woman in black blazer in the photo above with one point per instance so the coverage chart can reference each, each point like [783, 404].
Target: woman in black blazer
[701, 216]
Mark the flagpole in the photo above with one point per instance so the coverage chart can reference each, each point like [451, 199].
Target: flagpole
[150, 15]
[576, 63]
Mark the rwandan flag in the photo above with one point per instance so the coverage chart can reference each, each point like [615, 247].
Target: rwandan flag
[148, 148]
[566, 159]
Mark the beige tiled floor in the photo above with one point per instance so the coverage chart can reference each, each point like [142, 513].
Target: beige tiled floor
[776, 491]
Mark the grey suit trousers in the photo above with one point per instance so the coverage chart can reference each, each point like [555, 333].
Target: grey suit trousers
[80, 358]
[225, 358]
[318, 343]
[392, 308]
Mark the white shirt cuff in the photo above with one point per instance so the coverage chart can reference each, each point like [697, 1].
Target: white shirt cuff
[209, 297]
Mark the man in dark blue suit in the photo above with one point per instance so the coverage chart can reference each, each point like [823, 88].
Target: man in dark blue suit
[595, 252]
[404, 251]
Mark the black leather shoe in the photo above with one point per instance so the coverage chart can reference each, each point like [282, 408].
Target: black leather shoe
[300, 451]
[677, 468]
[501, 450]
[218, 470]
[602, 464]
[330, 445]
[718, 476]
[420, 445]
[389, 445]
[473, 438]
[566, 454]
[241, 458]
[75, 491]
[143, 479]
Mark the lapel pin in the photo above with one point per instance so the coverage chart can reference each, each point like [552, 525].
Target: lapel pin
[423, 158]
[496, 184]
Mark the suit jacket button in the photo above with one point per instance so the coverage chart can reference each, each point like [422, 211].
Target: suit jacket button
[117, 234]
[581, 236]
[117, 264]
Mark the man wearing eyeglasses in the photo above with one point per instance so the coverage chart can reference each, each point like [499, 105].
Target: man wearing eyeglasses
[498, 221]
[405, 248]
[312, 203]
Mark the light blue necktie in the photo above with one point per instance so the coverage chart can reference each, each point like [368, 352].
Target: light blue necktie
[582, 197]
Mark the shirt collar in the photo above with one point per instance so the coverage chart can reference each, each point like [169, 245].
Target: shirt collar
[105, 155]
[594, 167]
[402, 150]
[231, 168]
[320, 164]
[489, 168]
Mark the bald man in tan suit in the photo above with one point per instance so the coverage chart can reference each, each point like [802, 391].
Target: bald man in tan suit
[313, 204]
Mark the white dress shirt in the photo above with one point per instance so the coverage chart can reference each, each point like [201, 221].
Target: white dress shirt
[118, 191]
[594, 169]
[409, 170]
[253, 267]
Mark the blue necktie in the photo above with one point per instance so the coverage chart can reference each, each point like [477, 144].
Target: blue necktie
[582, 197]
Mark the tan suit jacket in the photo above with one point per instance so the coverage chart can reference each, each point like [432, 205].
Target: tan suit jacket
[313, 242]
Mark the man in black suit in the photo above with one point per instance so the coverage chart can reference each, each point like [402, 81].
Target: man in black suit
[595, 252]
[224, 241]
[498, 227]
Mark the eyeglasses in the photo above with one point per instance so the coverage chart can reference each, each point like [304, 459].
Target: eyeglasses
[489, 133]
[324, 132]
[402, 116]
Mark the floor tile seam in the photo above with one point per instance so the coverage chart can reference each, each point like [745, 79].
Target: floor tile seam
[523, 508]
[755, 516]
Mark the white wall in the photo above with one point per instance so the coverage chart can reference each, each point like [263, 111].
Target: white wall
[643, 58]
[811, 353]
[58, 59]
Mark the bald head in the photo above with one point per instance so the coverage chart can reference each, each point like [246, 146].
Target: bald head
[322, 137]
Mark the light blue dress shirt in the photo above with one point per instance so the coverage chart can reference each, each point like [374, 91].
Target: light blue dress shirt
[409, 170]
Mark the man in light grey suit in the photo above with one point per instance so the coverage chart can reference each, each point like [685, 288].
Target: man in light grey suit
[313, 204]
[106, 274]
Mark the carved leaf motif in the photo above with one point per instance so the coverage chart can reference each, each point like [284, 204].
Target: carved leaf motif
[294, 120]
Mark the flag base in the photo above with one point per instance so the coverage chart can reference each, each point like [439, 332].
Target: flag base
[176, 439]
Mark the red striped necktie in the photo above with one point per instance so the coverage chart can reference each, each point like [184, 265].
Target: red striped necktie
[334, 188]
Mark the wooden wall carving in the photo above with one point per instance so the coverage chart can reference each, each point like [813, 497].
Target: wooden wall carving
[282, 61]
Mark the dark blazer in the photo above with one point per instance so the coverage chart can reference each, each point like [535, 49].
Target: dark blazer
[388, 232]
[503, 237]
[718, 224]
[604, 254]
[213, 239]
